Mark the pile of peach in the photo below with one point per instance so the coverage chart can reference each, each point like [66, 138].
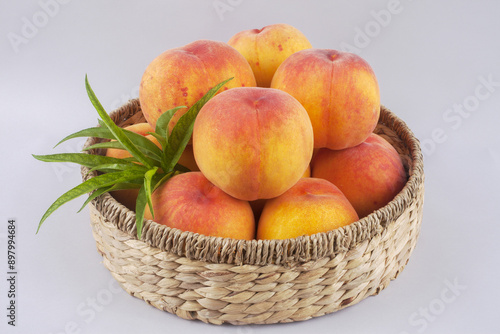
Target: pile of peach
[285, 149]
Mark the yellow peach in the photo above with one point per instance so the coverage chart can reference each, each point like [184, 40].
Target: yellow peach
[258, 205]
[339, 90]
[265, 49]
[253, 143]
[311, 206]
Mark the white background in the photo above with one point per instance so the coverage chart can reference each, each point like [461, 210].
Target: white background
[429, 58]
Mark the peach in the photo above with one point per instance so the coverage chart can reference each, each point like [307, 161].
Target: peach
[311, 206]
[339, 91]
[190, 202]
[265, 49]
[369, 175]
[253, 143]
[258, 205]
[181, 76]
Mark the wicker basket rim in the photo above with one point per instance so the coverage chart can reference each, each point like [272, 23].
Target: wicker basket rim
[268, 252]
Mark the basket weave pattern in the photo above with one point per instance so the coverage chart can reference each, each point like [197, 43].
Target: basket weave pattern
[219, 280]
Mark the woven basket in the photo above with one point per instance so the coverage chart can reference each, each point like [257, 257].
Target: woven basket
[221, 280]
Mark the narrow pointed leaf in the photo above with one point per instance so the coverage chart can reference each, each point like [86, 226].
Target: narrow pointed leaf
[98, 132]
[84, 159]
[158, 180]
[156, 155]
[143, 142]
[184, 128]
[103, 180]
[101, 123]
[165, 118]
[147, 187]
[96, 193]
[107, 168]
[140, 209]
[118, 186]
[105, 133]
[161, 140]
[108, 144]
[116, 130]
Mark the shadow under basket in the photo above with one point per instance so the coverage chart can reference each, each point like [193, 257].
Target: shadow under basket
[222, 280]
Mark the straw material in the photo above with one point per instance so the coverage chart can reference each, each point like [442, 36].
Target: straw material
[219, 280]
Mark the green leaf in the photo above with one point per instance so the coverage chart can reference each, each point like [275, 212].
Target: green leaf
[147, 186]
[108, 168]
[161, 140]
[182, 131]
[140, 208]
[101, 123]
[142, 170]
[108, 144]
[144, 143]
[100, 191]
[100, 181]
[156, 155]
[116, 130]
[105, 133]
[96, 193]
[98, 132]
[88, 160]
[163, 121]
[161, 179]
[152, 180]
